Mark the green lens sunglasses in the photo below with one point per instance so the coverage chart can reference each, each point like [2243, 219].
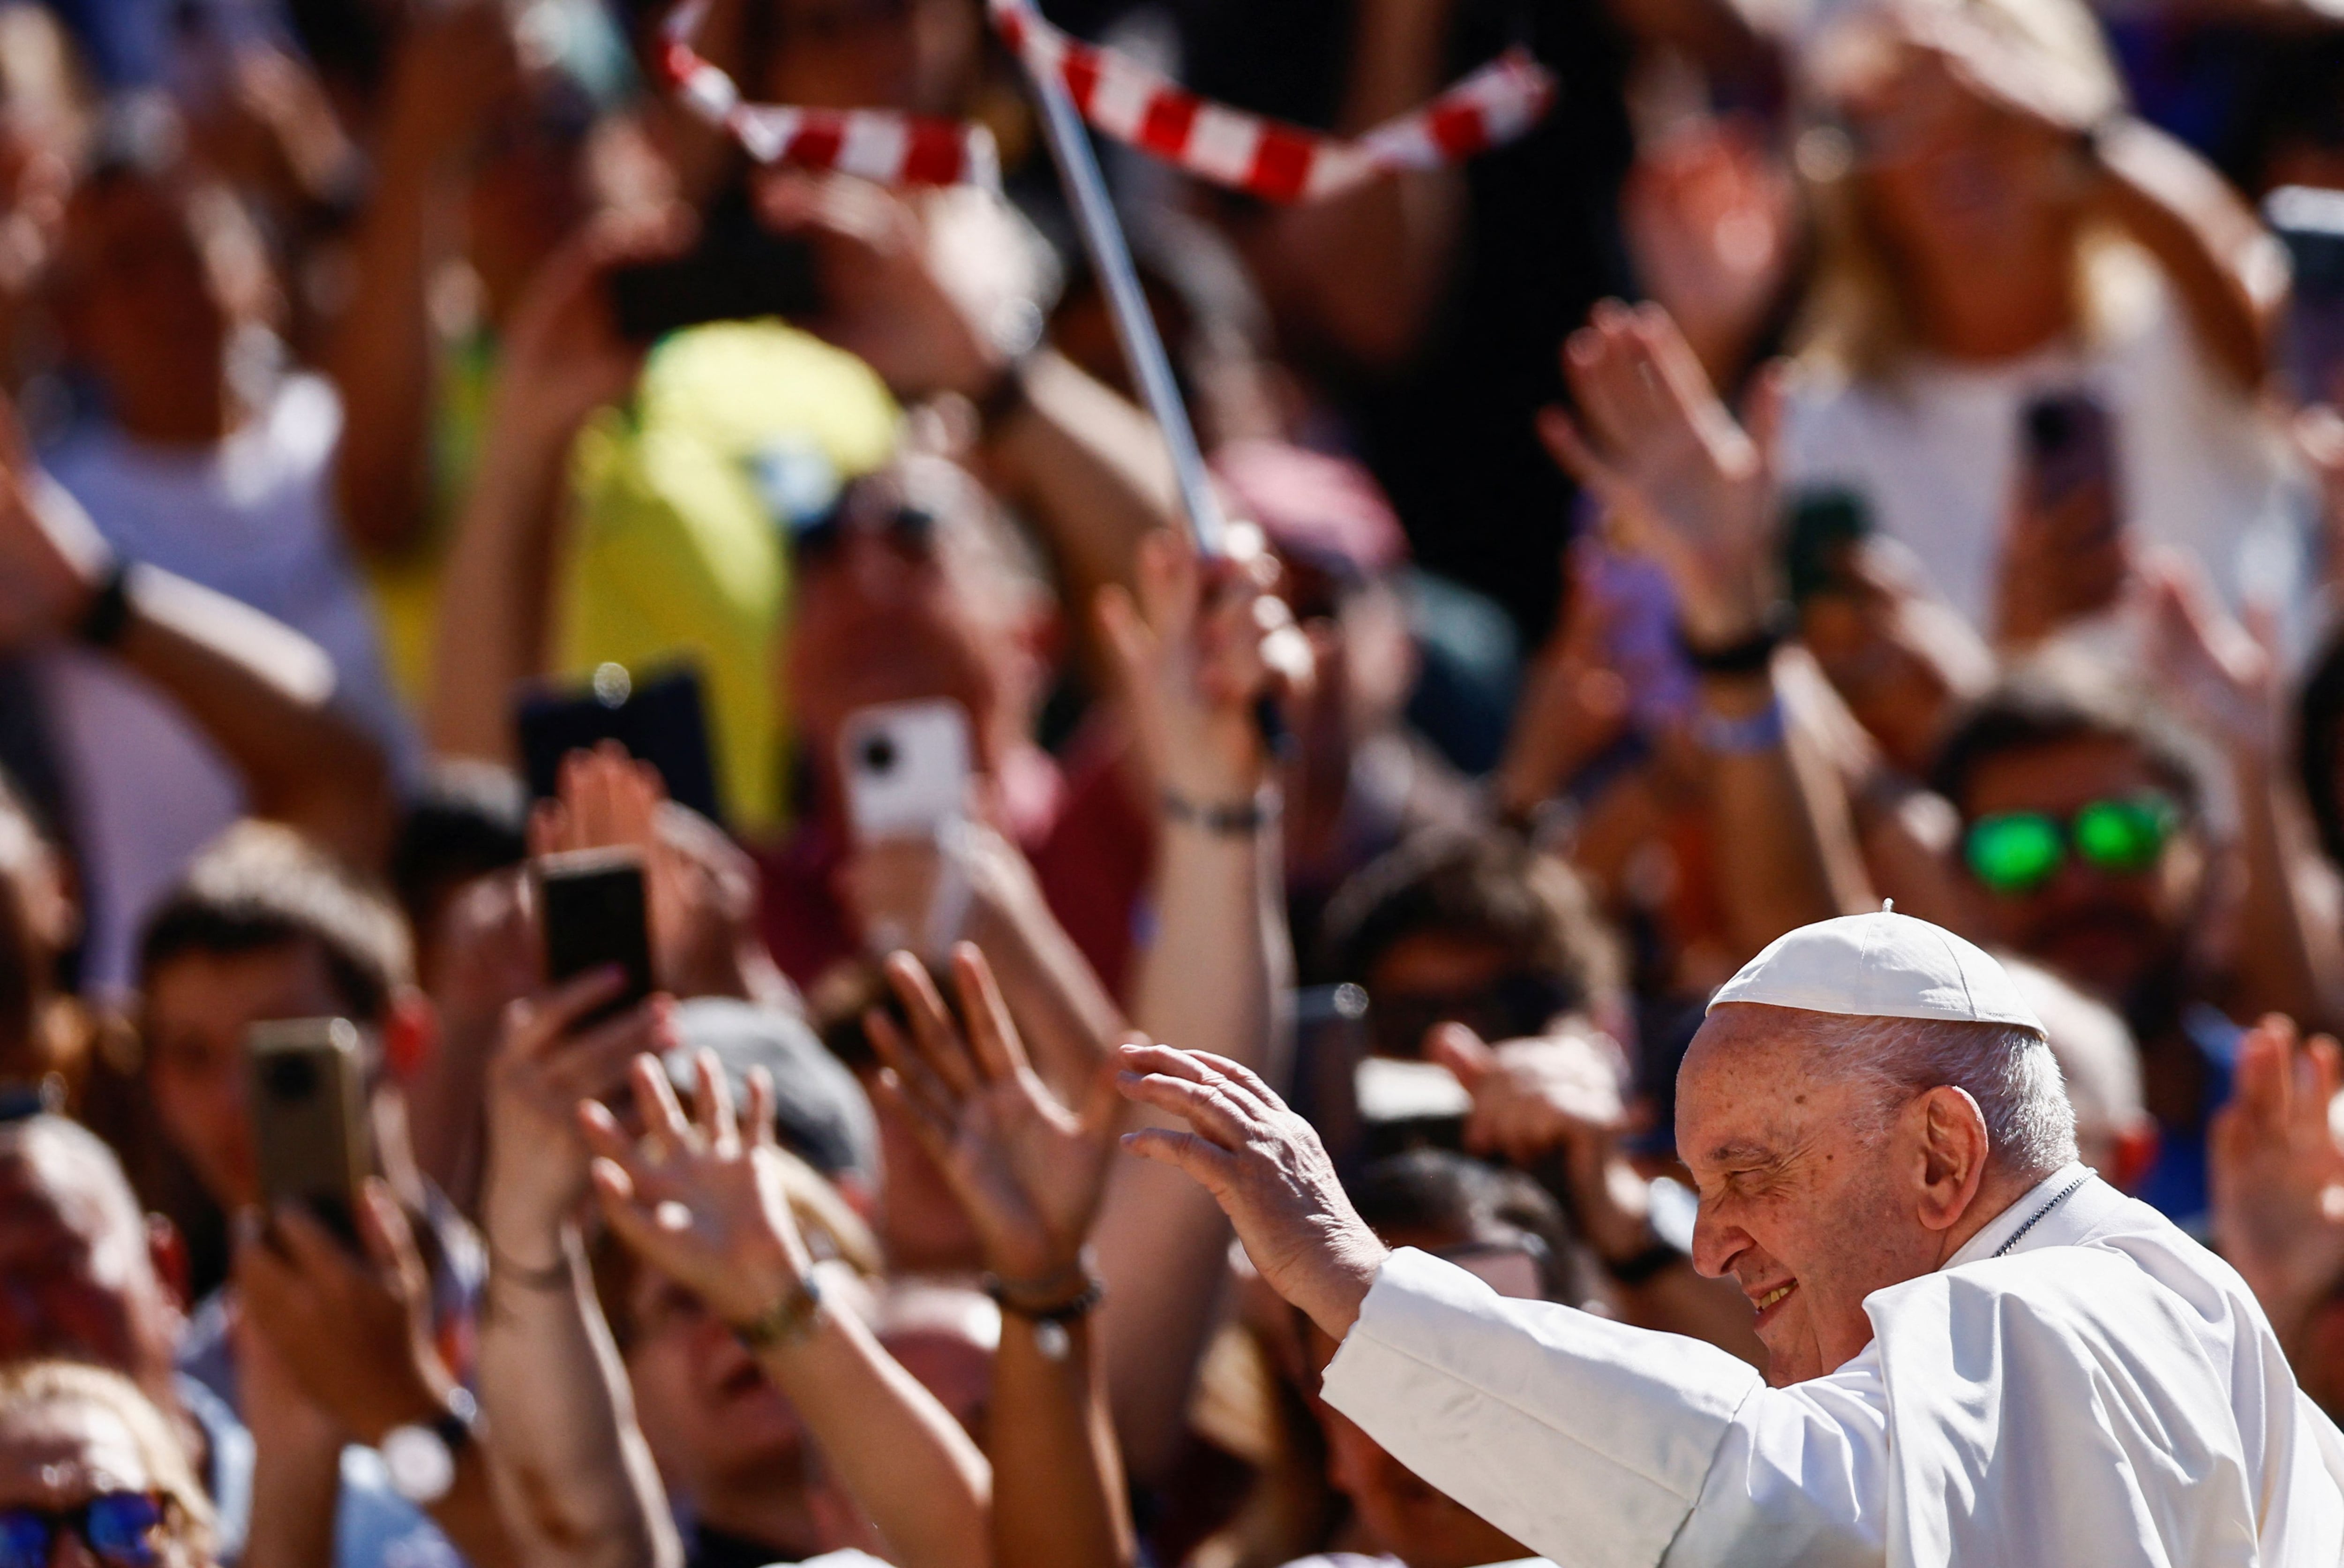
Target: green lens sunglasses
[2015, 852]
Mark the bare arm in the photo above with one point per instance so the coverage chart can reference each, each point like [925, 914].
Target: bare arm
[452, 67]
[259, 689]
[573, 1471]
[2230, 272]
[1027, 1166]
[1695, 491]
[898, 1453]
[1219, 963]
[564, 358]
[1363, 271]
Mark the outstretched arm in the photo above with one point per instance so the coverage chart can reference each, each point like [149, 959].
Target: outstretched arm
[257, 688]
[1682, 482]
[705, 1205]
[1028, 1169]
[1196, 647]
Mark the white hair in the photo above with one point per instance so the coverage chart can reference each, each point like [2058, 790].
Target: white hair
[2006, 1068]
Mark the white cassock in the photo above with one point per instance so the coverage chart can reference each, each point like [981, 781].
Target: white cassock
[2080, 1384]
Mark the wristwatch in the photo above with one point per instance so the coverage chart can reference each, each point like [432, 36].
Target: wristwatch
[421, 1456]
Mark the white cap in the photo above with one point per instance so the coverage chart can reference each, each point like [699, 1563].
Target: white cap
[1883, 965]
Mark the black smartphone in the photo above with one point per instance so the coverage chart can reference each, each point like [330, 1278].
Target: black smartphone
[738, 271]
[662, 720]
[1819, 529]
[2310, 223]
[2069, 443]
[595, 915]
[309, 1117]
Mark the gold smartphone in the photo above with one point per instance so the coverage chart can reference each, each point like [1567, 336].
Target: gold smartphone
[309, 1128]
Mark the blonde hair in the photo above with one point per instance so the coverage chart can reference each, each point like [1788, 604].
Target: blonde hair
[1858, 315]
[25, 1385]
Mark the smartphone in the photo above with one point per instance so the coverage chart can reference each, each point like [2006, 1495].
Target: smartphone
[2310, 223]
[1408, 1105]
[595, 915]
[907, 767]
[309, 1117]
[2069, 444]
[737, 271]
[1819, 531]
[662, 719]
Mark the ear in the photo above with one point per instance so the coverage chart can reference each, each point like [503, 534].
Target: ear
[167, 1250]
[1953, 1155]
[410, 1035]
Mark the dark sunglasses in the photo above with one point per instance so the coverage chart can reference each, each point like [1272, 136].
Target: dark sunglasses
[1518, 1004]
[2017, 852]
[118, 1528]
[909, 528]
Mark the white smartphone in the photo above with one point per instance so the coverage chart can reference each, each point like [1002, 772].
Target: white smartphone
[907, 767]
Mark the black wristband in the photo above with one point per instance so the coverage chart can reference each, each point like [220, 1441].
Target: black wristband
[107, 616]
[1065, 1310]
[1233, 821]
[1006, 397]
[1750, 656]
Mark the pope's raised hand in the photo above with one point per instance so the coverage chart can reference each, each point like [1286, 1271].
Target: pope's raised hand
[698, 1201]
[1266, 1169]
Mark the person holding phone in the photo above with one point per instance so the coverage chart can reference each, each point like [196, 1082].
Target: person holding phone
[372, 1341]
[1996, 228]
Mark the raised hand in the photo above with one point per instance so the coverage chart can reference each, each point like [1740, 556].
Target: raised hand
[1028, 1169]
[2276, 1166]
[2222, 676]
[1266, 1169]
[694, 1199]
[544, 1066]
[1196, 648]
[563, 356]
[1533, 1096]
[924, 328]
[1682, 482]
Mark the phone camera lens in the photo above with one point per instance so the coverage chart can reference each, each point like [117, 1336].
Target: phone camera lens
[291, 1078]
[879, 755]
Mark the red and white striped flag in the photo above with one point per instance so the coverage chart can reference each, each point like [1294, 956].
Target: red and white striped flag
[1126, 100]
[877, 145]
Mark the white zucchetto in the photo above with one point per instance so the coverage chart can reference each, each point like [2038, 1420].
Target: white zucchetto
[1882, 965]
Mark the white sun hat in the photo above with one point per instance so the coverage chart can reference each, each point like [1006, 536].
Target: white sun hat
[1882, 966]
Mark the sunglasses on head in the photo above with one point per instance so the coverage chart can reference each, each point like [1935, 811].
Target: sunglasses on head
[118, 1527]
[2017, 852]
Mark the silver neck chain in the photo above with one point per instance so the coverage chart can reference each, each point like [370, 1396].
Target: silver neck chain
[2057, 1199]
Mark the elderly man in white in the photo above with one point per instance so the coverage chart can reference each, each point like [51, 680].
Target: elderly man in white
[1981, 1353]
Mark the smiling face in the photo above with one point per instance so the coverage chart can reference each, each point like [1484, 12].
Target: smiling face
[1808, 1185]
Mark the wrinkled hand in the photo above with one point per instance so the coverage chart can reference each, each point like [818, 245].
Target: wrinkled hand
[2222, 676]
[354, 1332]
[544, 1066]
[1028, 1169]
[2276, 1166]
[694, 1199]
[1679, 480]
[888, 296]
[1196, 649]
[1266, 1169]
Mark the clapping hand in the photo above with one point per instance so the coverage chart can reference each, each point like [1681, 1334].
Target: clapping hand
[1266, 1169]
[695, 1198]
[2276, 1166]
[1682, 482]
[1028, 1169]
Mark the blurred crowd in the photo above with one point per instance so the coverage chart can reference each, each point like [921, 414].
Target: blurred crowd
[1849, 449]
